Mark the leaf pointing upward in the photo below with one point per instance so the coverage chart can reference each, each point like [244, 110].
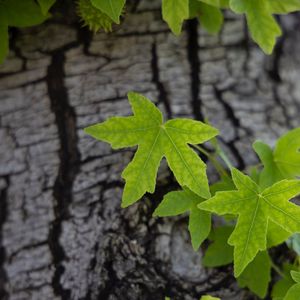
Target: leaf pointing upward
[156, 140]
[255, 208]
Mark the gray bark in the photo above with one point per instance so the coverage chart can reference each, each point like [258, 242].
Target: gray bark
[63, 234]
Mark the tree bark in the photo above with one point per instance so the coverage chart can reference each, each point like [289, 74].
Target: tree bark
[63, 234]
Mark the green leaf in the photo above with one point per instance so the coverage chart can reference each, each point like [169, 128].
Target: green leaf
[207, 297]
[283, 7]
[217, 3]
[3, 39]
[155, 140]
[112, 8]
[270, 173]
[211, 18]
[287, 154]
[22, 13]
[263, 27]
[281, 287]
[283, 162]
[45, 5]
[255, 209]
[276, 234]
[293, 293]
[176, 203]
[296, 276]
[174, 12]
[219, 253]
[257, 275]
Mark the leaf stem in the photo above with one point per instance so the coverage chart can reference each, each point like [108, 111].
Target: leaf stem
[219, 151]
[277, 269]
[213, 160]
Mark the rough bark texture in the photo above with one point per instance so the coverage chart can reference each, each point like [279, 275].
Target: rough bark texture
[63, 233]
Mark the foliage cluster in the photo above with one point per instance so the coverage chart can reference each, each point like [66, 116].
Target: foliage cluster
[101, 14]
[256, 207]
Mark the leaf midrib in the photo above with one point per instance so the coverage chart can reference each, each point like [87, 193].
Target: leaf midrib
[180, 155]
[250, 229]
[150, 152]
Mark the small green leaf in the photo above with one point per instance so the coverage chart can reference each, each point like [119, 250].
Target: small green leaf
[255, 208]
[283, 7]
[45, 5]
[219, 253]
[270, 173]
[281, 287]
[155, 139]
[296, 276]
[207, 297]
[217, 3]
[174, 12]
[293, 293]
[175, 203]
[263, 27]
[211, 18]
[112, 8]
[283, 162]
[287, 154]
[3, 39]
[257, 275]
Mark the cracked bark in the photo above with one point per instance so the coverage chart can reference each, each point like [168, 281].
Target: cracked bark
[69, 158]
[63, 234]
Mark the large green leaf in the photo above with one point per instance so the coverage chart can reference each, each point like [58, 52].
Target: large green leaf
[156, 140]
[263, 27]
[255, 209]
[257, 275]
[112, 8]
[211, 17]
[174, 12]
[176, 203]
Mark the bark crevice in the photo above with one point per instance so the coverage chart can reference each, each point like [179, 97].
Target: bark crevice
[69, 163]
[193, 58]
[162, 92]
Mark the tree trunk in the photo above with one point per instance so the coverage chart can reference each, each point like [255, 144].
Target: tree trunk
[63, 234]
